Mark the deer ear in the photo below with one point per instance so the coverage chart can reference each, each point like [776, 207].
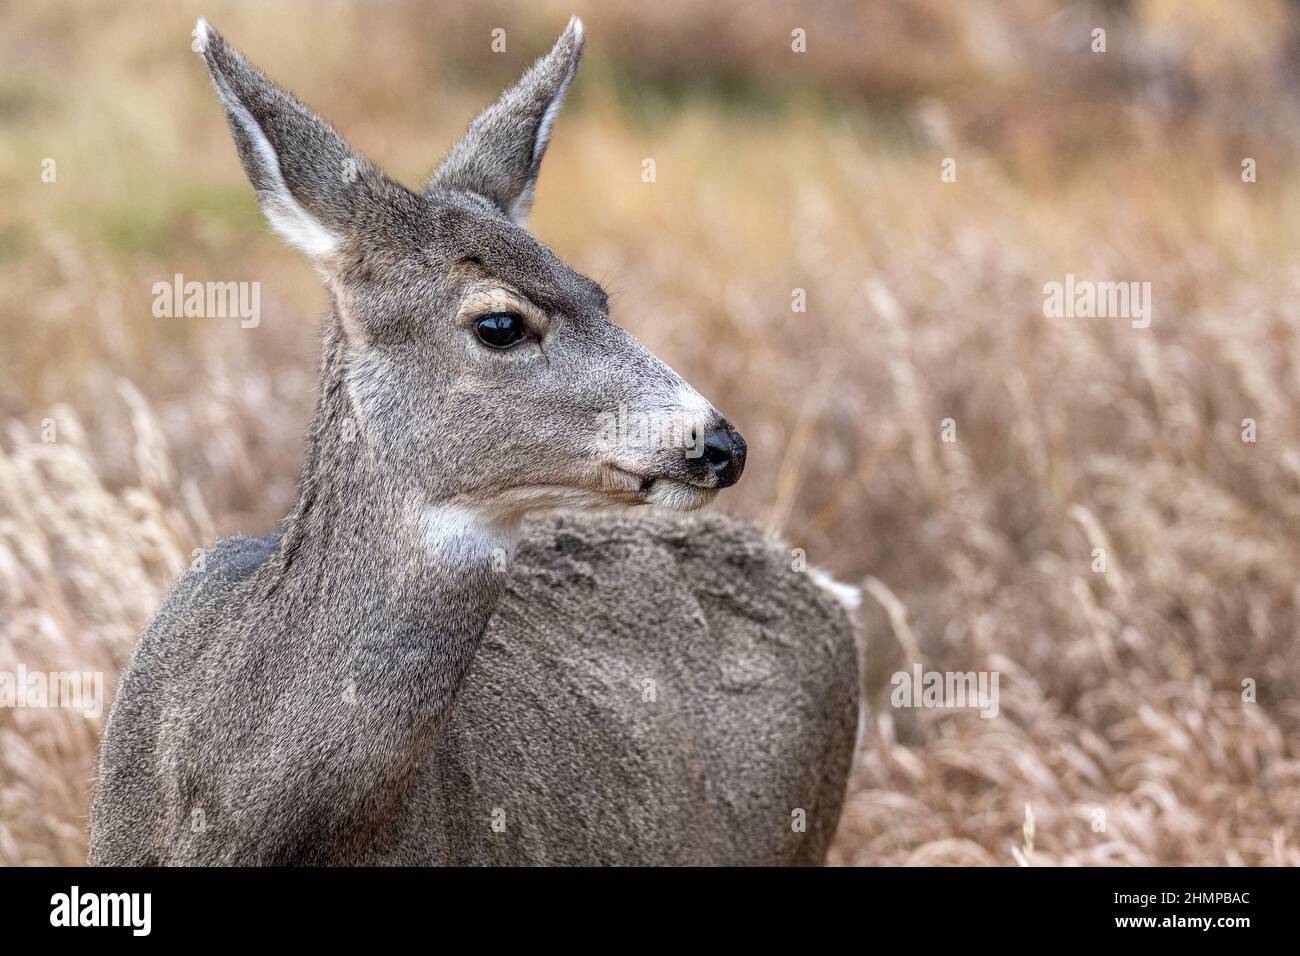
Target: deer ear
[500, 156]
[309, 181]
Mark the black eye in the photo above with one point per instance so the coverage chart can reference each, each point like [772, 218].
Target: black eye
[501, 330]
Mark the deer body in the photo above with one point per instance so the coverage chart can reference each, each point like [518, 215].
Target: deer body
[410, 673]
[557, 751]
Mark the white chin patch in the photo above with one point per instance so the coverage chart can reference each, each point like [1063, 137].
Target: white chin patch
[678, 496]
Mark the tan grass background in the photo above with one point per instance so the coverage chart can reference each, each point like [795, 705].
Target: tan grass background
[1122, 735]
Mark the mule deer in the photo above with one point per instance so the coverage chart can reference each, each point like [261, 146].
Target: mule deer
[402, 675]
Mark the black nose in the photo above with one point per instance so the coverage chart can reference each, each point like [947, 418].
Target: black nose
[724, 452]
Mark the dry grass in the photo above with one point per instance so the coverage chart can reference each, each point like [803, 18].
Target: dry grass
[1120, 691]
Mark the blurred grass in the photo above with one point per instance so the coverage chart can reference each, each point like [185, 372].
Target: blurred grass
[1121, 692]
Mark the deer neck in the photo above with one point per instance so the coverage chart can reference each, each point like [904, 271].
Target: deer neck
[362, 534]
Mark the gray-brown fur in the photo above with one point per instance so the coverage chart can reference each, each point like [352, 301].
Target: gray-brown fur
[753, 718]
[377, 680]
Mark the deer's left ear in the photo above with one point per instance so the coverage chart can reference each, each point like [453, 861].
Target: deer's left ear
[311, 184]
[500, 156]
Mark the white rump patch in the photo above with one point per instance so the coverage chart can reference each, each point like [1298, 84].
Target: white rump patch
[846, 594]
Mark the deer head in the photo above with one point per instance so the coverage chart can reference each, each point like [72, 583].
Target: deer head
[478, 366]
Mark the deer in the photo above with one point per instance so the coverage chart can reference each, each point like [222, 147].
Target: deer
[469, 643]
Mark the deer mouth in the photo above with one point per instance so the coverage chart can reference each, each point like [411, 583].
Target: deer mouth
[663, 491]
[675, 495]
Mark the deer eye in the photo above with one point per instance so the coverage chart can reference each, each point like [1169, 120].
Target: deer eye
[500, 330]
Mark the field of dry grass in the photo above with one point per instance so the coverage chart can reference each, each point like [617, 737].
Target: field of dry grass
[129, 440]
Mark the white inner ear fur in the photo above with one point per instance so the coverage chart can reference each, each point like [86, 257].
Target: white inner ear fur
[523, 204]
[287, 218]
[548, 118]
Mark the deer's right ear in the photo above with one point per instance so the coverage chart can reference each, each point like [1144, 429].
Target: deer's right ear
[500, 156]
[309, 181]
